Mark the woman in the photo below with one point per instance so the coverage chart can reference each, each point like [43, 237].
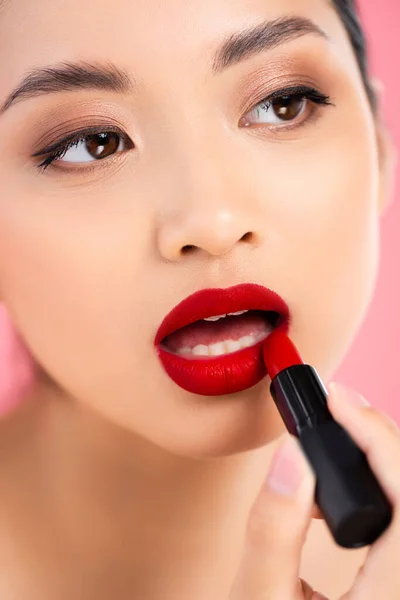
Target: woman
[150, 151]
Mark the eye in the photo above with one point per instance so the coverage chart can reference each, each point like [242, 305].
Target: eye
[93, 147]
[285, 106]
[86, 147]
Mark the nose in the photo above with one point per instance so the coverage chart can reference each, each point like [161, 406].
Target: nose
[210, 215]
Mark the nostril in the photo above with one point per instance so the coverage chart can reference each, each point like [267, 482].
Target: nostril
[187, 249]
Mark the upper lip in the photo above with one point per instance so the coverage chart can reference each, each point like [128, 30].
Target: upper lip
[218, 301]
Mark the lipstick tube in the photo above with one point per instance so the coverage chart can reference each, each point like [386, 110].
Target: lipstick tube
[349, 496]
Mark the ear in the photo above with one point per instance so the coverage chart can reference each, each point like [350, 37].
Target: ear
[387, 153]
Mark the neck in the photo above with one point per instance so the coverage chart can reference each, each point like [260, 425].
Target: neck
[116, 499]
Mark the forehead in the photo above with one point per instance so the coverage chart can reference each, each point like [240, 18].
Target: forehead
[143, 29]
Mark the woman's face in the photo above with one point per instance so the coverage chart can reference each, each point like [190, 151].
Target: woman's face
[90, 249]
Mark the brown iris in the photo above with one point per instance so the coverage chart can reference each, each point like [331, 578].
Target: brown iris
[288, 108]
[102, 145]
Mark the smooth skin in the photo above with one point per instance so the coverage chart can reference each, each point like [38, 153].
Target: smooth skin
[115, 482]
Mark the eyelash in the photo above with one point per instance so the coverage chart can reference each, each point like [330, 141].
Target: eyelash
[59, 149]
[301, 92]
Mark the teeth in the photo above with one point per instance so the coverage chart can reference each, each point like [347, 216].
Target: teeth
[232, 346]
[198, 350]
[217, 349]
[234, 314]
[225, 347]
[214, 318]
[246, 341]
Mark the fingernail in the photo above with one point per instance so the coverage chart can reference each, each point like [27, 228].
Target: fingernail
[286, 472]
[340, 392]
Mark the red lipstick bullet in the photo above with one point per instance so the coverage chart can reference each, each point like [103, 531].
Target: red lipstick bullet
[349, 496]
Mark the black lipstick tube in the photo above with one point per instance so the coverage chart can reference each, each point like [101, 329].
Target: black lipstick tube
[347, 493]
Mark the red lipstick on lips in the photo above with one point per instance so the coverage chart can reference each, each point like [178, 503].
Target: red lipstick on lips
[348, 494]
[228, 373]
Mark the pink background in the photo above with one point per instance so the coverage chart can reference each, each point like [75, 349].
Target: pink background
[372, 365]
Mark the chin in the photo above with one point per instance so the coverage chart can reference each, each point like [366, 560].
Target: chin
[222, 426]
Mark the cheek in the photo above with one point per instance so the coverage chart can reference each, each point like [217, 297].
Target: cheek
[71, 286]
[333, 228]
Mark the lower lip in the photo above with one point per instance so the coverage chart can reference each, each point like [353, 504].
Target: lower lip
[217, 375]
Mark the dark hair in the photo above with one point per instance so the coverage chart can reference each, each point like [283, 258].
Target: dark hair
[348, 13]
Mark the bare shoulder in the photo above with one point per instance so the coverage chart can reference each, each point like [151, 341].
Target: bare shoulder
[330, 569]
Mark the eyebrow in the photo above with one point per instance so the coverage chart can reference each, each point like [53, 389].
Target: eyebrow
[72, 76]
[265, 36]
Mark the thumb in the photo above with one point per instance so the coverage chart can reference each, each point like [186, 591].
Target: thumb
[277, 528]
[17, 370]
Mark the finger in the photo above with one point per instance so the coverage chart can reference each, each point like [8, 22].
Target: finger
[277, 528]
[374, 432]
[16, 365]
[309, 593]
[379, 437]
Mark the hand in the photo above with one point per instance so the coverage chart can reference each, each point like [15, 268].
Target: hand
[283, 511]
[16, 366]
